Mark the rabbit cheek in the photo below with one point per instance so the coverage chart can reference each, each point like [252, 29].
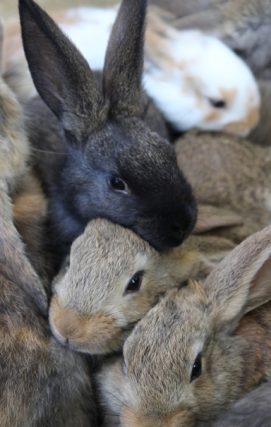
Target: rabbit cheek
[243, 127]
[95, 334]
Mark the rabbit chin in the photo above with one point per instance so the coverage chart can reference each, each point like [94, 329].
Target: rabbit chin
[181, 418]
[93, 334]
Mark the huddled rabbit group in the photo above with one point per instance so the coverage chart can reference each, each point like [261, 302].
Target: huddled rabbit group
[135, 265]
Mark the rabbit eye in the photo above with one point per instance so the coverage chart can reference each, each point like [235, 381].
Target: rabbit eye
[135, 283]
[118, 184]
[217, 103]
[196, 370]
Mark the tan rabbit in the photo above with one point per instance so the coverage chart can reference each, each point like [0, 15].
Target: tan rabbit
[112, 279]
[41, 383]
[229, 173]
[200, 348]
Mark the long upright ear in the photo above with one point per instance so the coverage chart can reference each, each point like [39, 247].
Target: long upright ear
[124, 59]
[60, 73]
[242, 281]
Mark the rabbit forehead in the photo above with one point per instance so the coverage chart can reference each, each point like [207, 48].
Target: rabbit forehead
[161, 351]
[103, 259]
[128, 145]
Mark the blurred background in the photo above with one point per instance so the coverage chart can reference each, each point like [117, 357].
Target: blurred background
[8, 8]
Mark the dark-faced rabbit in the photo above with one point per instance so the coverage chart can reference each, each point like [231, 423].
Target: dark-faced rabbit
[99, 159]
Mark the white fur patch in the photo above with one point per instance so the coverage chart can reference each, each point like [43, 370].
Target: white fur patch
[192, 69]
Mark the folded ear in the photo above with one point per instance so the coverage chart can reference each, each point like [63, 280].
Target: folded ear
[212, 217]
[124, 59]
[61, 75]
[242, 281]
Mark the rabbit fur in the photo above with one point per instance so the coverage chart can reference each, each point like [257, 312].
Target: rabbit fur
[229, 173]
[190, 89]
[253, 410]
[242, 24]
[99, 159]
[203, 84]
[113, 277]
[200, 348]
[41, 383]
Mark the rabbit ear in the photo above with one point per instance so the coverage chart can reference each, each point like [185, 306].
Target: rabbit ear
[242, 281]
[124, 59]
[212, 217]
[60, 73]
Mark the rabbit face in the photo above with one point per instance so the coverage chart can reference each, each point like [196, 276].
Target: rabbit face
[172, 371]
[112, 177]
[114, 167]
[111, 282]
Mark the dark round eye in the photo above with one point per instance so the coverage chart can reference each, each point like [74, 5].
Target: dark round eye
[118, 184]
[217, 103]
[196, 370]
[135, 283]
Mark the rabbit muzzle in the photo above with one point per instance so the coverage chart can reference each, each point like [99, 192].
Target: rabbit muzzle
[92, 334]
[182, 418]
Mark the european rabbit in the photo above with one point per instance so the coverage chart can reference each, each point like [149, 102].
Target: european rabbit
[190, 89]
[41, 383]
[99, 159]
[112, 279]
[200, 348]
[229, 173]
[253, 410]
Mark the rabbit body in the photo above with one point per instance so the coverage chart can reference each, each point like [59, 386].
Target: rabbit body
[41, 383]
[200, 348]
[229, 173]
[242, 25]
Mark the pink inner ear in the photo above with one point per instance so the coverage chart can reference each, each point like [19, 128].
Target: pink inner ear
[260, 290]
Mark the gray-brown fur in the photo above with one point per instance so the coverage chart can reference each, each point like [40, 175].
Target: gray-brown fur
[41, 383]
[253, 410]
[91, 310]
[226, 320]
[242, 24]
[229, 174]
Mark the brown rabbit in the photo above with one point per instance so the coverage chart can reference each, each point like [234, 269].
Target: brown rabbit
[200, 348]
[41, 383]
[232, 174]
[112, 279]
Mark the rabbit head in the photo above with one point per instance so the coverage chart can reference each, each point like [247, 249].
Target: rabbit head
[110, 281]
[198, 82]
[114, 166]
[186, 354]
